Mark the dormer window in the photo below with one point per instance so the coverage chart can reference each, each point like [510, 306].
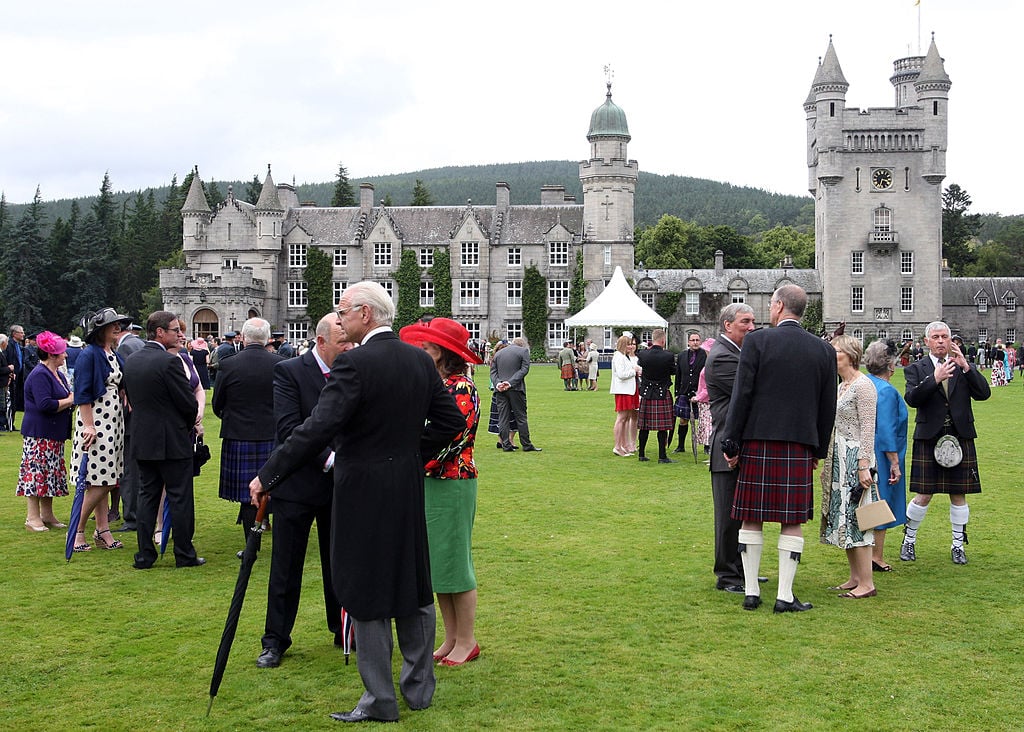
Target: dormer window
[1011, 302]
[982, 303]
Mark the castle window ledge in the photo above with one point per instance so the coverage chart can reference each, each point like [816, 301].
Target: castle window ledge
[884, 237]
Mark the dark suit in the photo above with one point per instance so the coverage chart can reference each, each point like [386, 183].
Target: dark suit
[720, 376]
[129, 486]
[164, 411]
[304, 496]
[15, 355]
[373, 411]
[512, 364]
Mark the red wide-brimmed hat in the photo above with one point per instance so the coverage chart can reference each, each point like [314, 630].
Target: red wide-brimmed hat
[442, 332]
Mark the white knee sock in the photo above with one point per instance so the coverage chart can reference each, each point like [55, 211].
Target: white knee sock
[958, 517]
[915, 515]
[751, 544]
[790, 548]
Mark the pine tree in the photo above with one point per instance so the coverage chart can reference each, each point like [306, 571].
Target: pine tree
[23, 259]
[89, 265]
[343, 194]
[57, 306]
[213, 195]
[958, 228]
[253, 190]
[137, 257]
[420, 195]
[169, 236]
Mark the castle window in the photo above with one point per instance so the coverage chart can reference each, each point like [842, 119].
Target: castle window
[648, 297]
[907, 335]
[1011, 302]
[558, 253]
[882, 219]
[296, 256]
[426, 257]
[607, 256]
[857, 299]
[470, 253]
[389, 287]
[556, 334]
[515, 257]
[935, 109]
[906, 299]
[474, 330]
[607, 336]
[297, 295]
[982, 335]
[382, 254]
[514, 293]
[857, 263]
[882, 334]
[514, 329]
[906, 179]
[831, 109]
[469, 293]
[298, 330]
[738, 297]
[858, 334]
[340, 257]
[230, 263]
[982, 303]
[906, 263]
[692, 303]
[426, 294]
[1011, 336]
[229, 231]
[339, 286]
[558, 293]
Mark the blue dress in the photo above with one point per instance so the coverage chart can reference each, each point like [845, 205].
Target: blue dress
[891, 418]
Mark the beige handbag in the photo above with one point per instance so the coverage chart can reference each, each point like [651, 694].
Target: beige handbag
[875, 513]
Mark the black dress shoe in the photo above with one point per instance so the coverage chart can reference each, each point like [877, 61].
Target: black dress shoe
[781, 606]
[762, 579]
[666, 460]
[142, 565]
[531, 448]
[126, 527]
[644, 459]
[506, 449]
[751, 602]
[679, 449]
[270, 658]
[357, 715]
[734, 589]
[197, 562]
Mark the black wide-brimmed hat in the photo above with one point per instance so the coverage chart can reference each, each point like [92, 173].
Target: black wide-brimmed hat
[93, 323]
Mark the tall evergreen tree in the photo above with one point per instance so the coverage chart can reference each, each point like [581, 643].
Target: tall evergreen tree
[169, 234]
[213, 195]
[23, 259]
[5, 221]
[343, 194]
[137, 255]
[253, 190]
[958, 228]
[88, 275]
[421, 195]
[57, 306]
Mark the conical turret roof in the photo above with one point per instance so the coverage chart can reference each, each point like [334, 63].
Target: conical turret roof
[829, 74]
[932, 70]
[195, 202]
[269, 200]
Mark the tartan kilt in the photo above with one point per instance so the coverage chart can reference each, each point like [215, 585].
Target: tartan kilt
[927, 476]
[775, 482]
[240, 460]
[656, 414]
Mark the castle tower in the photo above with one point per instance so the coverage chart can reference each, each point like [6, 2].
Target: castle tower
[876, 177]
[196, 216]
[608, 179]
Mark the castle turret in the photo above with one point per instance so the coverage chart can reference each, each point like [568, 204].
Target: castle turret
[269, 215]
[825, 120]
[195, 214]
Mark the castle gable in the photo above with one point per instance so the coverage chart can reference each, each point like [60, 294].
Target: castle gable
[533, 224]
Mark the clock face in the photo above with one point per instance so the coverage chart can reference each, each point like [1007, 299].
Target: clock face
[881, 178]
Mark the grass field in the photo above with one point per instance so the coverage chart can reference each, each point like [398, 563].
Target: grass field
[597, 610]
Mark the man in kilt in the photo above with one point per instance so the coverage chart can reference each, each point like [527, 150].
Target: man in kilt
[243, 398]
[656, 395]
[941, 387]
[778, 427]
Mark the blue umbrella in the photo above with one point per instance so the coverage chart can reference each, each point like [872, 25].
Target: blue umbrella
[165, 532]
[76, 506]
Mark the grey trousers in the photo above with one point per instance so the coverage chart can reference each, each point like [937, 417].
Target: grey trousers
[512, 403]
[374, 646]
[728, 565]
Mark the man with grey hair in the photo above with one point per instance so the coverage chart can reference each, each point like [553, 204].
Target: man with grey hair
[940, 387]
[15, 355]
[735, 321]
[384, 411]
[243, 398]
[511, 365]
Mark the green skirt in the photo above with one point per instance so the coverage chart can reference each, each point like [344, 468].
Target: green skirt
[451, 509]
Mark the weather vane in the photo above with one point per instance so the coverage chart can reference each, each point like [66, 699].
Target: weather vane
[609, 75]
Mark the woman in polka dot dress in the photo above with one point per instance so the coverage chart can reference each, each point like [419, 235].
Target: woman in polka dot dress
[99, 426]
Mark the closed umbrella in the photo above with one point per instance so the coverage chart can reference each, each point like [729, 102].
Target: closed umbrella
[252, 547]
[165, 532]
[81, 481]
[347, 633]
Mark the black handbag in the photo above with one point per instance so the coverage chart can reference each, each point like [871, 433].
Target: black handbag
[200, 456]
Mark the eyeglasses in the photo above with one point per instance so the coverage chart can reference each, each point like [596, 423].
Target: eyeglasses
[344, 311]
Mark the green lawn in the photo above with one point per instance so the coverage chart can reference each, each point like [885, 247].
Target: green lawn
[597, 610]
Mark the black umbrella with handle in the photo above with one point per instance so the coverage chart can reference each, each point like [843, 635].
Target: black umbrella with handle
[252, 548]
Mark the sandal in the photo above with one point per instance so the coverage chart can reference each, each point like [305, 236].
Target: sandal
[84, 546]
[876, 567]
[97, 536]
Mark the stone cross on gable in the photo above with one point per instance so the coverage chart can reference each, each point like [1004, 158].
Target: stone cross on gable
[606, 203]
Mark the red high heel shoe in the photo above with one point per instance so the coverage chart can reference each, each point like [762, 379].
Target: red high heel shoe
[474, 654]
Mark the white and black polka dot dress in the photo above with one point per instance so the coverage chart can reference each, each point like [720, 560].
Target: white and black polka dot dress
[106, 456]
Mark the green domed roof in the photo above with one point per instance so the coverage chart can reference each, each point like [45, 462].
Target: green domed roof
[608, 119]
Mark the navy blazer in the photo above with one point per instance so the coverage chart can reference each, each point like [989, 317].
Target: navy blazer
[785, 389]
[297, 386]
[91, 372]
[927, 396]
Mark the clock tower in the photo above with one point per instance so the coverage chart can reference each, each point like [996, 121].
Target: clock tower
[876, 177]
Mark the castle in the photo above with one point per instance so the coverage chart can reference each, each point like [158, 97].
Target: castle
[875, 175]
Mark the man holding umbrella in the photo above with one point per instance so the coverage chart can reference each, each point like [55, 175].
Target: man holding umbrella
[382, 409]
[303, 497]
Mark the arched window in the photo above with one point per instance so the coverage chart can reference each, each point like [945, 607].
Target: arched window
[882, 219]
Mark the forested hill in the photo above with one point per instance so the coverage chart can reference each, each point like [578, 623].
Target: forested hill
[706, 202]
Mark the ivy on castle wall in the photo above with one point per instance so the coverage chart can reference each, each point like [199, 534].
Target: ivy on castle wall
[665, 303]
[578, 289]
[535, 311]
[408, 280]
[319, 287]
[441, 274]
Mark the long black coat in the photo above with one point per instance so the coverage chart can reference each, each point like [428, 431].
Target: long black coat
[243, 397]
[382, 410]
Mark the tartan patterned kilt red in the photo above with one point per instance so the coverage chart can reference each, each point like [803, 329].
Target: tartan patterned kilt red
[240, 460]
[927, 476]
[656, 414]
[775, 482]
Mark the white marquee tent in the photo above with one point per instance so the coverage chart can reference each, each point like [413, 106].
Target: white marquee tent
[617, 307]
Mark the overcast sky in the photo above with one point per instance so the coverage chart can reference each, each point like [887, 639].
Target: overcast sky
[711, 90]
